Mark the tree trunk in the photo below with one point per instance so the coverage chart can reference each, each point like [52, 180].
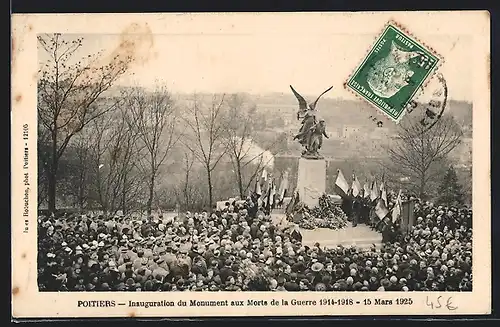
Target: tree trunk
[52, 175]
[186, 195]
[51, 191]
[151, 194]
[421, 189]
[80, 199]
[210, 195]
[124, 195]
[240, 179]
[422, 165]
[82, 186]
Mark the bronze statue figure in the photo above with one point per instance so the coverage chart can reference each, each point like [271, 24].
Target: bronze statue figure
[316, 140]
[311, 133]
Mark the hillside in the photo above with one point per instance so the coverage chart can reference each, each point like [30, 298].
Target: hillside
[351, 130]
[336, 111]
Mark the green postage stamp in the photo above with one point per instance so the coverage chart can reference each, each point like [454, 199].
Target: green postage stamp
[393, 71]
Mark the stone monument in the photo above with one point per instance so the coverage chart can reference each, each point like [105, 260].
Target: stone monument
[311, 181]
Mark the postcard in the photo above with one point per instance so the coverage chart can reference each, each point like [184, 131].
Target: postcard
[251, 164]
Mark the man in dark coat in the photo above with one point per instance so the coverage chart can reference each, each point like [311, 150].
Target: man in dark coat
[295, 234]
[347, 207]
[226, 271]
[356, 211]
[251, 206]
[364, 211]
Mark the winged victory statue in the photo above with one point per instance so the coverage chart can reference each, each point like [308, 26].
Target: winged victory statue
[311, 133]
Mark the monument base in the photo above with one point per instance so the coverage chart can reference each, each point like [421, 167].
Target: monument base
[311, 181]
[362, 236]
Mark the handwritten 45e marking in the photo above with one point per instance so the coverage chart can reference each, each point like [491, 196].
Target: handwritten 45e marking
[441, 302]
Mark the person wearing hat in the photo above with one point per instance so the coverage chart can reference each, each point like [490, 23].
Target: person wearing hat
[199, 266]
[78, 250]
[161, 269]
[226, 271]
[131, 252]
[138, 261]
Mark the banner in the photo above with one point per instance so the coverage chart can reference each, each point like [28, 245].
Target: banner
[380, 209]
[283, 187]
[396, 211]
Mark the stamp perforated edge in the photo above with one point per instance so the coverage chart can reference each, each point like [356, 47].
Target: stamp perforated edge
[419, 90]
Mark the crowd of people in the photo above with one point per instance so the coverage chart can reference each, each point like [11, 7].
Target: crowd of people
[240, 249]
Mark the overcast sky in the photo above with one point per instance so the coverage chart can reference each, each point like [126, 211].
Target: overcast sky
[269, 62]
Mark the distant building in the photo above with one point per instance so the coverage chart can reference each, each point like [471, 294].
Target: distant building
[349, 131]
[463, 152]
[380, 133]
[334, 132]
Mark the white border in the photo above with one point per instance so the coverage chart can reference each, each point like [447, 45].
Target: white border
[28, 302]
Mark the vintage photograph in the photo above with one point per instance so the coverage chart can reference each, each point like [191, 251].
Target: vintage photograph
[171, 183]
[245, 159]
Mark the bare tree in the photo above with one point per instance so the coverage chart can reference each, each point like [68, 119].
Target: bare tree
[43, 149]
[115, 153]
[68, 94]
[417, 150]
[101, 129]
[187, 192]
[246, 156]
[206, 125]
[154, 118]
[239, 136]
[132, 183]
[82, 170]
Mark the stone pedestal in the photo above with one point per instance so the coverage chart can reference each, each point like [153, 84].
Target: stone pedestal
[311, 181]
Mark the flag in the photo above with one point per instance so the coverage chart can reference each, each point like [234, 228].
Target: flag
[383, 195]
[374, 192]
[356, 186]
[267, 197]
[411, 213]
[272, 194]
[264, 198]
[396, 211]
[293, 202]
[258, 189]
[366, 190]
[341, 182]
[383, 182]
[407, 215]
[283, 187]
[380, 209]
[264, 175]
